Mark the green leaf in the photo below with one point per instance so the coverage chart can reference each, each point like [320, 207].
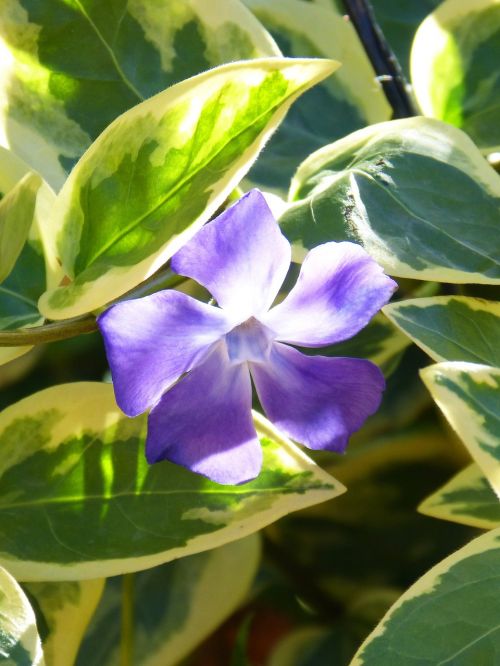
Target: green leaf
[416, 193]
[175, 606]
[19, 641]
[454, 68]
[36, 266]
[16, 215]
[74, 482]
[158, 172]
[451, 328]
[405, 399]
[65, 610]
[467, 394]
[69, 68]
[373, 529]
[339, 105]
[468, 499]
[449, 616]
[379, 342]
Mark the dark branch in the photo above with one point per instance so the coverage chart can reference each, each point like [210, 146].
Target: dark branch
[383, 60]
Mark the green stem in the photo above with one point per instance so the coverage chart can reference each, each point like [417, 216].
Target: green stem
[69, 328]
[127, 621]
[37, 335]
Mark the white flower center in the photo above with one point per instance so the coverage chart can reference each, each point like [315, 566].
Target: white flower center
[249, 341]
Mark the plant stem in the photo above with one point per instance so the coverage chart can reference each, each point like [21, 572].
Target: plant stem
[37, 335]
[69, 328]
[127, 621]
[383, 60]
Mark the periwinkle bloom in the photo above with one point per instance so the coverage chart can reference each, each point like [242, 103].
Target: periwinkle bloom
[192, 362]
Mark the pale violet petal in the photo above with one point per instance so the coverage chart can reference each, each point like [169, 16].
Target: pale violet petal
[204, 423]
[241, 257]
[339, 289]
[150, 342]
[315, 400]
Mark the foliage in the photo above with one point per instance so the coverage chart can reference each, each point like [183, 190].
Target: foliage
[127, 126]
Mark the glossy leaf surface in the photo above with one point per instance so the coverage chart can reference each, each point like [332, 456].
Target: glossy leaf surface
[20, 643]
[416, 193]
[26, 204]
[78, 499]
[161, 170]
[451, 328]
[69, 68]
[454, 68]
[16, 216]
[467, 498]
[65, 610]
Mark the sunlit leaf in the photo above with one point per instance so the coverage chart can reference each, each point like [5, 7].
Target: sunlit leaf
[35, 268]
[68, 69]
[19, 640]
[16, 216]
[451, 328]
[159, 171]
[65, 610]
[454, 68]
[78, 499]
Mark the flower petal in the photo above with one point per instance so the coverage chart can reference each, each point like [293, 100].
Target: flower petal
[150, 342]
[241, 257]
[315, 400]
[204, 423]
[339, 289]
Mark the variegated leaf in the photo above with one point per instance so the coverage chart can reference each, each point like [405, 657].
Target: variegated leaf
[451, 328]
[36, 266]
[68, 68]
[468, 395]
[175, 606]
[467, 498]
[19, 640]
[78, 499]
[449, 616]
[380, 342]
[339, 105]
[416, 193]
[454, 68]
[66, 608]
[159, 171]
[17, 208]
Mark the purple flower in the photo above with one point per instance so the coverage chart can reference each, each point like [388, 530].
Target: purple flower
[191, 362]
